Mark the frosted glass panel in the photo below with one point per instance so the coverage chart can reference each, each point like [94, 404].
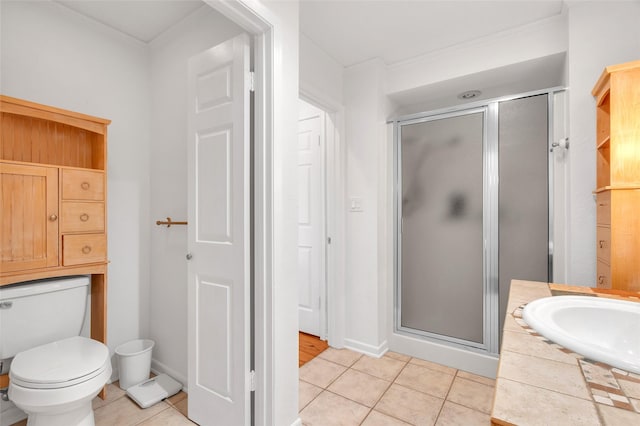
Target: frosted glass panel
[442, 243]
[524, 206]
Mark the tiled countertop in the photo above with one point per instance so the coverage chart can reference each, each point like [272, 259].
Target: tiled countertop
[541, 383]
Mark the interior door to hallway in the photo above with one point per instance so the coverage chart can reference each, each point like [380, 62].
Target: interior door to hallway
[310, 220]
[219, 235]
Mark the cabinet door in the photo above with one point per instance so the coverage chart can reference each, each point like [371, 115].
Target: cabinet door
[28, 217]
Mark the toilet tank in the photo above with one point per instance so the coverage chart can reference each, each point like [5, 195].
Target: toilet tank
[34, 313]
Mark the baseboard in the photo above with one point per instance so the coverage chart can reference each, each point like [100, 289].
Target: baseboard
[298, 422]
[158, 368]
[467, 360]
[367, 349]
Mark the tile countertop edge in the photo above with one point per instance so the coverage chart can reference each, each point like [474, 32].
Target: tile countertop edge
[512, 405]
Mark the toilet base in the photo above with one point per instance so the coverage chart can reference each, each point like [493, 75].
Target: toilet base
[80, 416]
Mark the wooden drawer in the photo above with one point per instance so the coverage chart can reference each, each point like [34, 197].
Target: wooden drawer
[82, 185]
[603, 276]
[603, 244]
[84, 248]
[603, 208]
[82, 217]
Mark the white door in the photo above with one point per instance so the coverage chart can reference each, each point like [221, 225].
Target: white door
[218, 235]
[310, 222]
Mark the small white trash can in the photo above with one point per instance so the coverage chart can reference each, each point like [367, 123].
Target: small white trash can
[134, 362]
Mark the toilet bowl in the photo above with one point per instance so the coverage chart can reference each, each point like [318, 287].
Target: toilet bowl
[56, 382]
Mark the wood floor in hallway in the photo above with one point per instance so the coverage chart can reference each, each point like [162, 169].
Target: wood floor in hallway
[309, 347]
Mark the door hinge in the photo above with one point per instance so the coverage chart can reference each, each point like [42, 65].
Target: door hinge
[252, 81]
[252, 380]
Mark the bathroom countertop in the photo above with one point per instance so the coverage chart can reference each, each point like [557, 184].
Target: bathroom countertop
[541, 383]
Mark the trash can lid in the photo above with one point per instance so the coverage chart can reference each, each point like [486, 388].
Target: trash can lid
[135, 347]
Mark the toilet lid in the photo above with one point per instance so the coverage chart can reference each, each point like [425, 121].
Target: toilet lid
[60, 363]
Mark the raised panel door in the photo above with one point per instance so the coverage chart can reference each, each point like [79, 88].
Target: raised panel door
[29, 217]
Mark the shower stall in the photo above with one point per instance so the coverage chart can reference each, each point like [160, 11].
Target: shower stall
[472, 212]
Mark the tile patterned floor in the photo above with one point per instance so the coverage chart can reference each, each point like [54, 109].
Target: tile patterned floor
[119, 410]
[341, 387]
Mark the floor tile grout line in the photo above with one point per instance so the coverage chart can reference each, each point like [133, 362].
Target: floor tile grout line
[427, 393]
[433, 369]
[464, 405]
[311, 400]
[446, 397]
[477, 381]
[405, 363]
[382, 378]
[154, 415]
[370, 409]
[383, 392]
[333, 362]
[379, 399]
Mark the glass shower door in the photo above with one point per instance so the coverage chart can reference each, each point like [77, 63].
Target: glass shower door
[441, 253]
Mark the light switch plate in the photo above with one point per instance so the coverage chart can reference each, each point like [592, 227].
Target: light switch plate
[355, 204]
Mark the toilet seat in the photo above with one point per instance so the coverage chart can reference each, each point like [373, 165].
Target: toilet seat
[59, 364]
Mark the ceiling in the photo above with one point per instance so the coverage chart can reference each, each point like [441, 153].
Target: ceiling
[353, 31]
[143, 20]
[350, 31]
[535, 74]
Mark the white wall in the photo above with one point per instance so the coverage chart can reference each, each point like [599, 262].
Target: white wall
[600, 34]
[169, 54]
[321, 77]
[365, 115]
[56, 57]
[535, 40]
[285, 214]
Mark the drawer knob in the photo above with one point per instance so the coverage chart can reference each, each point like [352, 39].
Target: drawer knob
[84, 217]
[601, 243]
[53, 217]
[86, 249]
[85, 185]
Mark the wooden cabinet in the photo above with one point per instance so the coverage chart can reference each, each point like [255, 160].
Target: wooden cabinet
[617, 94]
[53, 202]
[29, 222]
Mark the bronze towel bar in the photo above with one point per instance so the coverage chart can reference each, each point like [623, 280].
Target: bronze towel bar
[169, 222]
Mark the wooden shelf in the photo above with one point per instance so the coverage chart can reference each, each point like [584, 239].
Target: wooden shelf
[618, 177]
[605, 143]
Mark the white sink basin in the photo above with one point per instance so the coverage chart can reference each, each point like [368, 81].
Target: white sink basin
[601, 329]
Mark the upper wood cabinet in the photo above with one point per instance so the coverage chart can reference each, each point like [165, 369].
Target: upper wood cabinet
[617, 94]
[29, 206]
[53, 199]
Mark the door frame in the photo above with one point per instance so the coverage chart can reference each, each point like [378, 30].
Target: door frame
[322, 285]
[333, 173]
[259, 23]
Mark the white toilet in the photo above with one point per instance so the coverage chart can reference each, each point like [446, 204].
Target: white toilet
[54, 373]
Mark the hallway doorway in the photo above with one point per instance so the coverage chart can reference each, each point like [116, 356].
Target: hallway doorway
[311, 221]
